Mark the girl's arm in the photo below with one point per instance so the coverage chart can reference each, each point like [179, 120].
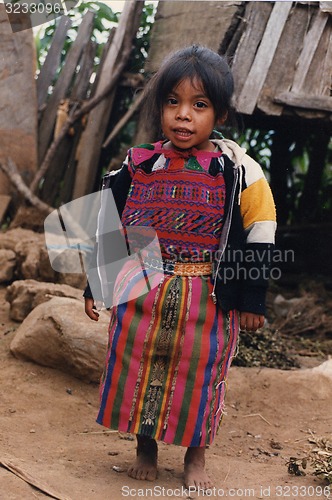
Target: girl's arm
[259, 221]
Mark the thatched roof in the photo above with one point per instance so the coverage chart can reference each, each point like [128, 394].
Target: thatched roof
[280, 52]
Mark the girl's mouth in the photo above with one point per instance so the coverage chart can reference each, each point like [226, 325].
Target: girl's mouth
[182, 132]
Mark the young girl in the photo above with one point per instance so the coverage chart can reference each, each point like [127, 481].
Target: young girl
[210, 204]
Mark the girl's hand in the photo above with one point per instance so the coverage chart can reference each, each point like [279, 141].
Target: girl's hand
[89, 310]
[250, 321]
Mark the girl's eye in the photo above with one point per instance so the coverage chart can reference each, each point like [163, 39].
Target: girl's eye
[171, 100]
[201, 104]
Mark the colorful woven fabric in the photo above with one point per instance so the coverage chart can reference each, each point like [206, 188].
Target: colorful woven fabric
[180, 199]
[170, 349]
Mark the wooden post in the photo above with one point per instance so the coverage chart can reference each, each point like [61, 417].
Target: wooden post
[59, 92]
[310, 44]
[50, 66]
[93, 135]
[62, 165]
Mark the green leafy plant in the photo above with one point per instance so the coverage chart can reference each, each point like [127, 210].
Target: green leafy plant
[104, 19]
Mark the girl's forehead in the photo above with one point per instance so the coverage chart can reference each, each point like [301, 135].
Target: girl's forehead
[193, 83]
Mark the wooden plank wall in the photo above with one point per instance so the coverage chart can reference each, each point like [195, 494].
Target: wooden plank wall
[280, 51]
[311, 87]
[282, 71]
[247, 99]
[255, 18]
[291, 69]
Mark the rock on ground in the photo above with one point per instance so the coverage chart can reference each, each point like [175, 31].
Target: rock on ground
[10, 238]
[58, 334]
[32, 259]
[7, 265]
[25, 295]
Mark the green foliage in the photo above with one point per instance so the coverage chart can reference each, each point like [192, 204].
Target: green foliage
[300, 154]
[258, 145]
[104, 19]
[142, 42]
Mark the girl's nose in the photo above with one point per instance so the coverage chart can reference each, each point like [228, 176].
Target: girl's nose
[183, 113]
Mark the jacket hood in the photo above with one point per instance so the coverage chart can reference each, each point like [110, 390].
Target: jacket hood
[231, 149]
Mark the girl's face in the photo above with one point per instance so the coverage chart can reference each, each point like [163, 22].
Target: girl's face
[188, 116]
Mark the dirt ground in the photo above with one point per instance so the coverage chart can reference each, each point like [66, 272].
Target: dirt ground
[48, 431]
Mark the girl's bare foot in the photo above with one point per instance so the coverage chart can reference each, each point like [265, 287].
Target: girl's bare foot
[195, 475]
[145, 465]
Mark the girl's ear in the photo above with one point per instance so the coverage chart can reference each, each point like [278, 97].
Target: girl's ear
[222, 120]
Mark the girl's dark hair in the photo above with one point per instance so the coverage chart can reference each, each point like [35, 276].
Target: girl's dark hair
[194, 62]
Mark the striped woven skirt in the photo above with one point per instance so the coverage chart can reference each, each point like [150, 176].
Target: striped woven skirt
[167, 361]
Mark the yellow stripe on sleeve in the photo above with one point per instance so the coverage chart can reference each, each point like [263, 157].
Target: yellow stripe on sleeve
[257, 203]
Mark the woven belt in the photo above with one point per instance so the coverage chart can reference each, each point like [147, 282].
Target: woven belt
[192, 269]
[180, 268]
